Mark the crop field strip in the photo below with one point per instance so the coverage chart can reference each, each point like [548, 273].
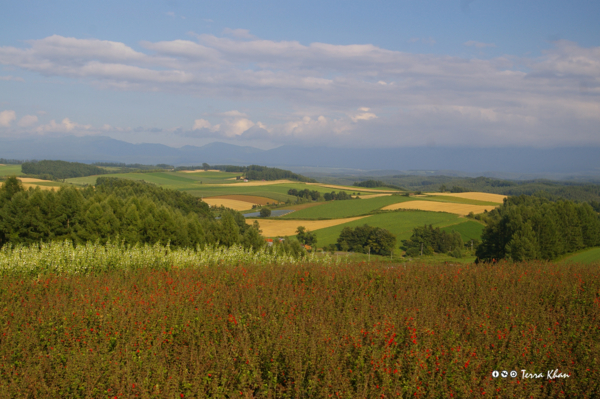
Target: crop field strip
[487, 197]
[246, 198]
[346, 208]
[457, 200]
[280, 227]
[469, 230]
[400, 223]
[587, 256]
[354, 188]
[229, 203]
[449, 207]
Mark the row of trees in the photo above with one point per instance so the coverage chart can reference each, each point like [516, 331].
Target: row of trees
[527, 227]
[135, 212]
[375, 184]
[431, 240]
[254, 172]
[60, 169]
[363, 239]
[315, 195]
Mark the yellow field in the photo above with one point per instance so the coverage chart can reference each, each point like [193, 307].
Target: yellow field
[32, 180]
[280, 228]
[450, 207]
[357, 189]
[229, 203]
[252, 199]
[198, 171]
[373, 195]
[251, 183]
[476, 196]
[26, 186]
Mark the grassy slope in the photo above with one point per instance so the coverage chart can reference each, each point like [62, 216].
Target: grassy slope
[10, 170]
[586, 256]
[346, 208]
[458, 200]
[400, 223]
[469, 230]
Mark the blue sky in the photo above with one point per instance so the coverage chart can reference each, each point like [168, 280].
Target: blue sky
[336, 73]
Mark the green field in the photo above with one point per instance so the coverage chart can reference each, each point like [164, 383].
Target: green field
[458, 200]
[173, 180]
[469, 230]
[346, 208]
[587, 256]
[10, 170]
[399, 223]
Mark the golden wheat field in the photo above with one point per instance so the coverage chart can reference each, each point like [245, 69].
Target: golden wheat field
[198, 171]
[26, 186]
[475, 196]
[280, 228]
[357, 189]
[251, 183]
[229, 203]
[373, 195]
[253, 199]
[450, 207]
[32, 180]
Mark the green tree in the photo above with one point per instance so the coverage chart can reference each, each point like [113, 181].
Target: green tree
[265, 212]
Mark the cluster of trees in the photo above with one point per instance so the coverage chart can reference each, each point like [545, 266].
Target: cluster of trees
[315, 195]
[366, 238]
[306, 237]
[5, 161]
[135, 212]
[433, 240]
[454, 189]
[528, 227]
[60, 169]
[374, 184]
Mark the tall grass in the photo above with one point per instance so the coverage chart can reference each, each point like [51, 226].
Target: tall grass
[63, 257]
[303, 330]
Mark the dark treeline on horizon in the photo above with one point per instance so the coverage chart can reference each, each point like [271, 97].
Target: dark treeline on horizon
[60, 169]
[254, 172]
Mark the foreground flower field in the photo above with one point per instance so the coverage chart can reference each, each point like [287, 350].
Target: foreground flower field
[303, 331]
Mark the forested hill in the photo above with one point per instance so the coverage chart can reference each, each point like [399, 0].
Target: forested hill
[254, 172]
[126, 210]
[527, 227]
[60, 169]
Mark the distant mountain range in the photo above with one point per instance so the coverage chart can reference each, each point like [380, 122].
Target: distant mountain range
[574, 160]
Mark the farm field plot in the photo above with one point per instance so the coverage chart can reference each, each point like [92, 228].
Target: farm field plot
[346, 208]
[355, 188]
[588, 256]
[469, 230]
[10, 170]
[229, 203]
[280, 227]
[487, 197]
[365, 330]
[246, 198]
[457, 200]
[401, 224]
[173, 180]
[450, 207]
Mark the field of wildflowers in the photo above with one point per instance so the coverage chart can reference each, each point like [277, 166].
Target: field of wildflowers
[297, 330]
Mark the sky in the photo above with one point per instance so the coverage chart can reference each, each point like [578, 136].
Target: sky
[358, 74]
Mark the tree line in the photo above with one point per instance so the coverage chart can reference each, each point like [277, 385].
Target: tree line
[315, 195]
[363, 239]
[135, 212]
[529, 227]
[254, 172]
[375, 184]
[428, 240]
[52, 170]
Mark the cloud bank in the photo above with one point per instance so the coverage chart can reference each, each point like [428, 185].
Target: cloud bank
[350, 95]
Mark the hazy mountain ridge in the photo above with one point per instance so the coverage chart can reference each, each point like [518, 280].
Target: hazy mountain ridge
[516, 163]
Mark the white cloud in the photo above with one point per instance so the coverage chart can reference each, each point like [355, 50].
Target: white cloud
[28, 120]
[65, 126]
[473, 43]
[411, 96]
[7, 117]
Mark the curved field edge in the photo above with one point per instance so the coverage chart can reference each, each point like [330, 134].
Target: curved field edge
[586, 256]
[360, 330]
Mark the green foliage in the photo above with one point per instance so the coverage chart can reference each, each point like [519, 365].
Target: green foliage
[254, 172]
[265, 212]
[433, 240]
[313, 195]
[364, 238]
[375, 184]
[527, 227]
[61, 169]
[306, 237]
[136, 212]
